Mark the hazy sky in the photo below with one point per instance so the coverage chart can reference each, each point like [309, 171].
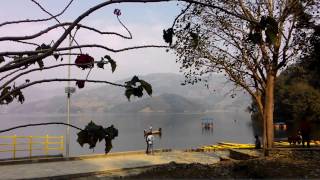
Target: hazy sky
[145, 21]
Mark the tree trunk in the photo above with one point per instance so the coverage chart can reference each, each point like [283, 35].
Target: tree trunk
[268, 111]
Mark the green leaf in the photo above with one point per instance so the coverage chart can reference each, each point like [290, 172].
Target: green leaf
[40, 63]
[112, 62]
[133, 81]
[195, 39]
[91, 134]
[255, 38]
[168, 35]
[21, 98]
[263, 23]
[108, 146]
[271, 28]
[2, 59]
[44, 46]
[56, 56]
[111, 133]
[5, 90]
[80, 83]
[128, 93]
[8, 98]
[113, 65]
[100, 64]
[83, 137]
[94, 133]
[107, 57]
[18, 95]
[271, 35]
[138, 91]
[147, 87]
[187, 26]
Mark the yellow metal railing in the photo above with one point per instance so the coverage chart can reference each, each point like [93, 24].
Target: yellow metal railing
[28, 143]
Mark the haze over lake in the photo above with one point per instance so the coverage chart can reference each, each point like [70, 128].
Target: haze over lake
[180, 130]
[176, 109]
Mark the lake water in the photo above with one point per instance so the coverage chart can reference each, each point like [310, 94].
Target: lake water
[180, 131]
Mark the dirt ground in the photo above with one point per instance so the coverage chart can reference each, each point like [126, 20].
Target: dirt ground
[266, 167]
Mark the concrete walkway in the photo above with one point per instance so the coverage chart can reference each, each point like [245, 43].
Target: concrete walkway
[92, 166]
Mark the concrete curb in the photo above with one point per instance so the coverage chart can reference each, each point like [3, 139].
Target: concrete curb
[244, 155]
[94, 173]
[55, 159]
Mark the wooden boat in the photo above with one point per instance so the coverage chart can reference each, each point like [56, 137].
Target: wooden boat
[156, 132]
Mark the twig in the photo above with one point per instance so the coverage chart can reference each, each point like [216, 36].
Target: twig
[55, 80]
[37, 20]
[33, 70]
[44, 10]
[82, 46]
[40, 124]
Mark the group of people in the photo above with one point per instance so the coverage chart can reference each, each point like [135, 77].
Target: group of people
[302, 136]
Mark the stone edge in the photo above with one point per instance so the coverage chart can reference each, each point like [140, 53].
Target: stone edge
[55, 159]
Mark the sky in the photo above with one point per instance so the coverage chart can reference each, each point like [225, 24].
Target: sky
[146, 22]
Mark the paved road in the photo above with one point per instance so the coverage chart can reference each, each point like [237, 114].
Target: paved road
[101, 164]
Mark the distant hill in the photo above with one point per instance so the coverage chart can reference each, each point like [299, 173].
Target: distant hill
[168, 96]
[163, 103]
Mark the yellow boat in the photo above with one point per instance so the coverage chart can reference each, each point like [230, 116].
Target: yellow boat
[227, 145]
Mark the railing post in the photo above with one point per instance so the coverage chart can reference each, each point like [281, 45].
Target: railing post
[61, 143]
[30, 146]
[46, 144]
[14, 144]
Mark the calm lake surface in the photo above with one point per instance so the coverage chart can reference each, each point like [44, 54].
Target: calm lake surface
[180, 131]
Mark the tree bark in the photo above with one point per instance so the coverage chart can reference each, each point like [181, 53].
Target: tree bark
[268, 111]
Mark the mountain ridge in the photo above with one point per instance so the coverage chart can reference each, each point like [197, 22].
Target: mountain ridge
[166, 86]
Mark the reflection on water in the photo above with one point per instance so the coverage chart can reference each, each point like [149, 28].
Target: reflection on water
[179, 131]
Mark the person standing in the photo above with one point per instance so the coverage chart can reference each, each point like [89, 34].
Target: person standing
[305, 129]
[257, 142]
[150, 139]
[146, 138]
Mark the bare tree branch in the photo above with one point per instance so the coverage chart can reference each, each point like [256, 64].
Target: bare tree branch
[23, 86]
[32, 70]
[40, 124]
[37, 20]
[82, 46]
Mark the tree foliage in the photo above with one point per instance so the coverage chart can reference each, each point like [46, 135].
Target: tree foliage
[298, 90]
[93, 133]
[90, 135]
[136, 87]
[35, 57]
[249, 41]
